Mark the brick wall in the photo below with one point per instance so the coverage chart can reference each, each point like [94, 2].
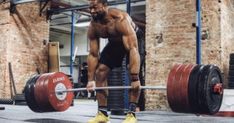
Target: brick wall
[227, 33]
[22, 44]
[171, 39]
[4, 23]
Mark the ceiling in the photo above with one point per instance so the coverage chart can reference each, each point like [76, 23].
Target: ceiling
[61, 19]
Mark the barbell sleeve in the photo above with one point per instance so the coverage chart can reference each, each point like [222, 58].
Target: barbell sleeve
[112, 88]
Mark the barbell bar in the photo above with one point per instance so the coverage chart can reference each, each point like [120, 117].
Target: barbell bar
[190, 89]
[111, 88]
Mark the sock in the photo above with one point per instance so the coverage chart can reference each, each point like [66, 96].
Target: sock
[132, 113]
[103, 109]
[132, 108]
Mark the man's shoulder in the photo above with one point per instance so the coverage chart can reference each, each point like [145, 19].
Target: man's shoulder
[117, 13]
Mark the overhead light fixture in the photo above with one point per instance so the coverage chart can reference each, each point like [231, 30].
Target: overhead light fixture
[83, 24]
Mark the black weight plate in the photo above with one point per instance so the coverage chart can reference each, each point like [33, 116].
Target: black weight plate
[117, 112]
[232, 56]
[209, 102]
[29, 94]
[193, 88]
[231, 67]
[231, 73]
[214, 101]
[231, 79]
[231, 85]
[202, 109]
[231, 62]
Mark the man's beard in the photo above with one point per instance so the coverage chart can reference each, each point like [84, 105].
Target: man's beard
[99, 16]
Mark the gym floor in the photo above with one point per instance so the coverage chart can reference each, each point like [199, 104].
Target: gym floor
[83, 110]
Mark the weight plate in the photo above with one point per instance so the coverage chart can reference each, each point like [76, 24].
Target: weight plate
[209, 102]
[57, 80]
[231, 85]
[231, 67]
[213, 100]
[170, 80]
[231, 73]
[201, 87]
[193, 88]
[231, 78]
[231, 62]
[44, 87]
[181, 103]
[172, 87]
[29, 94]
[40, 94]
[232, 56]
[183, 89]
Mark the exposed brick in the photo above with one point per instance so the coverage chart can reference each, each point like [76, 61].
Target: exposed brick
[171, 39]
[22, 45]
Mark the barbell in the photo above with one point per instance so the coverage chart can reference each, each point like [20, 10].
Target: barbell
[190, 89]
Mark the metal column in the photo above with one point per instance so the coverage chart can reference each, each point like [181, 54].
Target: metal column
[72, 42]
[198, 32]
[128, 2]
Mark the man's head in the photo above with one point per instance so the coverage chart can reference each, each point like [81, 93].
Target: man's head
[98, 9]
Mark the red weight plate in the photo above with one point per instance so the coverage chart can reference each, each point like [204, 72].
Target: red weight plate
[183, 91]
[44, 87]
[177, 87]
[40, 93]
[170, 85]
[37, 91]
[56, 80]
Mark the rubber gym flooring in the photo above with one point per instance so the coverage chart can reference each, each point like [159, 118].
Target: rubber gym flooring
[83, 110]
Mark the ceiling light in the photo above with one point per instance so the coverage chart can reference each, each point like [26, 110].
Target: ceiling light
[82, 24]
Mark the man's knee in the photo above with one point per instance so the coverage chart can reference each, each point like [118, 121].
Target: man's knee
[101, 73]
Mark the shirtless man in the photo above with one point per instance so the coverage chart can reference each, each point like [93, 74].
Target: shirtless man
[118, 28]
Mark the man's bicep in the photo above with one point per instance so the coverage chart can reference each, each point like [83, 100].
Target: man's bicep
[130, 41]
[93, 41]
[93, 46]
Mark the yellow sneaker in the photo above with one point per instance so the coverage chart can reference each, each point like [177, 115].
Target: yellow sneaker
[130, 118]
[100, 118]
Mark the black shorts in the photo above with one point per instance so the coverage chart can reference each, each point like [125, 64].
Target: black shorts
[113, 54]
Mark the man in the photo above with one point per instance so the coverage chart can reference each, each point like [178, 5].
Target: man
[118, 28]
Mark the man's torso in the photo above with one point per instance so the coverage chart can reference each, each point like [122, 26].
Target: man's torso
[109, 29]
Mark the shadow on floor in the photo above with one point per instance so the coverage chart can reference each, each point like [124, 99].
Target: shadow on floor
[47, 120]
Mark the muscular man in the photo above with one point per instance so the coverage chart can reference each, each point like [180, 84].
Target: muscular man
[118, 28]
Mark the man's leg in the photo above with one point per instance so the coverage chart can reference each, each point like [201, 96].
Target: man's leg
[101, 81]
[134, 97]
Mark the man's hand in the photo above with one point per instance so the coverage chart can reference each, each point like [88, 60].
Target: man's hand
[91, 86]
[136, 85]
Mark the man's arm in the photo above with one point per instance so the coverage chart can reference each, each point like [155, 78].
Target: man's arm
[92, 59]
[130, 43]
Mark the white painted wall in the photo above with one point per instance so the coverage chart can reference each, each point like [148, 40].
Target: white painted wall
[65, 40]
[80, 41]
